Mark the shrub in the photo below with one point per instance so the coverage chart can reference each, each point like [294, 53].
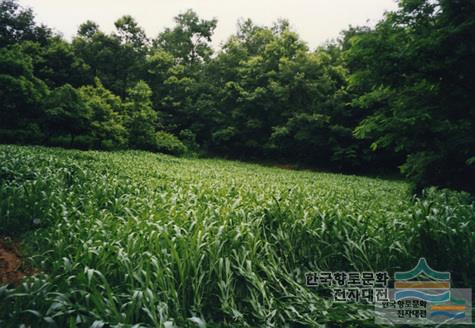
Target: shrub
[188, 138]
[169, 144]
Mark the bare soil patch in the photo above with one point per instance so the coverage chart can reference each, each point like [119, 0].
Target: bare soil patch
[10, 262]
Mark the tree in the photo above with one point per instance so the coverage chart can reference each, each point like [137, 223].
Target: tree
[117, 59]
[141, 120]
[88, 30]
[56, 63]
[99, 51]
[414, 74]
[132, 53]
[21, 98]
[189, 41]
[130, 33]
[66, 114]
[18, 24]
[107, 117]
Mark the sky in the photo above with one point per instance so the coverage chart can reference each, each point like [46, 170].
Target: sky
[317, 21]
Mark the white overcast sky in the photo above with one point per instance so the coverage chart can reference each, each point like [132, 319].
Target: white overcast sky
[316, 21]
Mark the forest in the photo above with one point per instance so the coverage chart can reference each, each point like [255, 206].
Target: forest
[397, 96]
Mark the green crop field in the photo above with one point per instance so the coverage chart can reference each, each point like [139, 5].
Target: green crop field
[121, 239]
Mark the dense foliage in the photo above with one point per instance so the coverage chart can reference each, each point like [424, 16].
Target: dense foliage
[122, 239]
[415, 75]
[399, 94]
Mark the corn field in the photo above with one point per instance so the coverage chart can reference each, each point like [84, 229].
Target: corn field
[135, 239]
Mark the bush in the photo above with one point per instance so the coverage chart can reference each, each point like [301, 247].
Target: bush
[188, 138]
[31, 134]
[169, 144]
[84, 141]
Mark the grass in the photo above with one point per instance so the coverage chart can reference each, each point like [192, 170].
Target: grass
[134, 239]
